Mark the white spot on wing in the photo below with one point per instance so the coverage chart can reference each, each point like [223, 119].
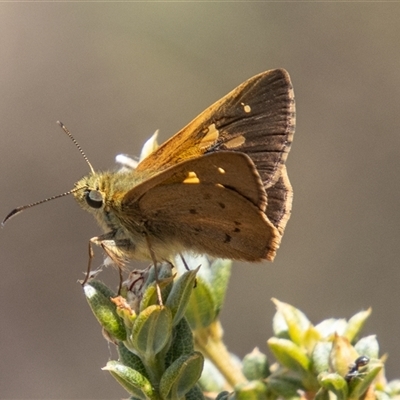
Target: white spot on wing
[235, 142]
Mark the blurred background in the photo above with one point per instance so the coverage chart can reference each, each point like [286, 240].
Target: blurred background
[116, 72]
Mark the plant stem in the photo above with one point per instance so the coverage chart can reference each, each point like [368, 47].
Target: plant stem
[209, 342]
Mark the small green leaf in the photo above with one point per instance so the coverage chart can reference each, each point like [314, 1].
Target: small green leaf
[102, 288]
[355, 324]
[149, 296]
[179, 296]
[105, 312]
[201, 308]
[331, 326]
[220, 275]
[368, 346]
[320, 357]
[342, 355]
[284, 386]
[130, 359]
[310, 338]
[181, 376]
[133, 381]
[165, 282]
[152, 330]
[253, 390]
[255, 365]
[195, 393]
[279, 326]
[296, 321]
[289, 354]
[334, 383]
[182, 342]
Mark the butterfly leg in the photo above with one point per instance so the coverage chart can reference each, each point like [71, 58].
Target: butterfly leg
[89, 267]
[113, 249]
[187, 268]
[184, 262]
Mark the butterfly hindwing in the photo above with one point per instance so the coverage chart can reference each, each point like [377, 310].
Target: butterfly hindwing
[212, 204]
[220, 222]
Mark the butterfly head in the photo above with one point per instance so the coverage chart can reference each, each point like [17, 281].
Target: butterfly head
[90, 193]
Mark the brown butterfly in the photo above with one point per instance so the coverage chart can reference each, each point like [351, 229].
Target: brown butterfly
[219, 186]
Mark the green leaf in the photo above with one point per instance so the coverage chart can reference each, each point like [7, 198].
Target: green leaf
[152, 330]
[179, 296]
[182, 342]
[289, 354]
[279, 326]
[195, 393]
[133, 381]
[368, 346]
[105, 312]
[181, 376]
[355, 324]
[219, 279]
[334, 383]
[296, 321]
[255, 365]
[130, 359]
[201, 308]
[253, 390]
[342, 355]
[320, 357]
[331, 326]
[165, 282]
[284, 386]
[102, 288]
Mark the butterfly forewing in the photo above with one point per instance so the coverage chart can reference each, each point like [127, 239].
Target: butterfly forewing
[232, 170]
[256, 118]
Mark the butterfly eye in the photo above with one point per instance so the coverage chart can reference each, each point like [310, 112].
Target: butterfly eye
[94, 198]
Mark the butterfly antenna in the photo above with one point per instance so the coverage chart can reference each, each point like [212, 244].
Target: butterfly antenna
[17, 210]
[64, 128]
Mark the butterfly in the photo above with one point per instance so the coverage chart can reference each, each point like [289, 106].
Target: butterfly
[219, 186]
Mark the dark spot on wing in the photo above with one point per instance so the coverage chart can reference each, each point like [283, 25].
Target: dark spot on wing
[236, 230]
[193, 211]
[227, 238]
[222, 205]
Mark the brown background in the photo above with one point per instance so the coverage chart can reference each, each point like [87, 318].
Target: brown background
[113, 73]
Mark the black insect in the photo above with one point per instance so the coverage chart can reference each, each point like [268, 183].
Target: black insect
[354, 369]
